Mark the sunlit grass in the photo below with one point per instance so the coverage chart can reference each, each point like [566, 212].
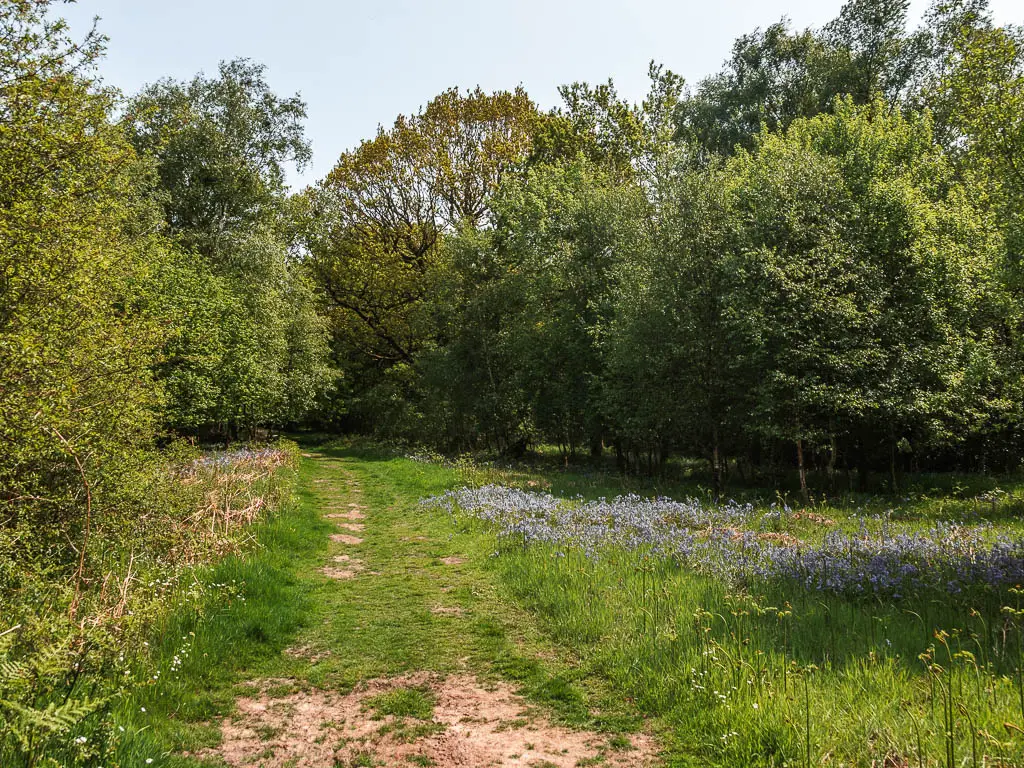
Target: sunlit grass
[727, 675]
[777, 674]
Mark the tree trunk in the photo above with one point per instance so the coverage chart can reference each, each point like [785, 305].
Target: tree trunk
[716, 467]
[741, 468]
[832, 464]
[892, 465]
[802, 469]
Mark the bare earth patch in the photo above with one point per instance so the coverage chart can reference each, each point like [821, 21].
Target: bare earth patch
[471, 726]
[341, 574]
[346, 516]
[453, 560]
[346, 568]
[813, 517]
[307, 652]
[782, 539]
[354, 527]
[344, 538]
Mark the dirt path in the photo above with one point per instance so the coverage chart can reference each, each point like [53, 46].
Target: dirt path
[392, 669]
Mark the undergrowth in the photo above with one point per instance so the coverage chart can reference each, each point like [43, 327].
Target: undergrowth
[77, 617]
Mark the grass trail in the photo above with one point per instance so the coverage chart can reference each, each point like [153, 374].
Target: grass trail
[359, 583]
[419, 601]
[375, 587]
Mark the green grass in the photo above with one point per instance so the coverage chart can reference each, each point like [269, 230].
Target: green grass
[721, 676]
[380, 624]
[778, 676]
[403, 702]
[259, 603]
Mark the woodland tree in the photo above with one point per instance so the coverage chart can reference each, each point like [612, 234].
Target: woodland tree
[78, 249]
[243, 311]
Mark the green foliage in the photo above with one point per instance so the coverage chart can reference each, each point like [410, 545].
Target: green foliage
[129, 299]
[78, 310]
[865, 276]
[522, 308]
[840, 290]
[673, 334]
[221, 145]
[72, 660]
[40, 713]
[777, 75]
[983, 91]
[605, 129]
[373, 228]
[248, 347]
[837, 286]
[772, 77]
[244, 352]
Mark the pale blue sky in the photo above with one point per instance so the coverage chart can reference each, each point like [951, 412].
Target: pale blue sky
[360, 64]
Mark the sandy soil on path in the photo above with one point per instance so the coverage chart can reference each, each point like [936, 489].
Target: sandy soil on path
[472, 725]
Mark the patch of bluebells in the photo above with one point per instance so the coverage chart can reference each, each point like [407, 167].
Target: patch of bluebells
[724, 541]
[661, 526]
[235, 456]
[947, 558]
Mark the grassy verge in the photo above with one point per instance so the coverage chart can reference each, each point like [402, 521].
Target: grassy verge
[254, 605]
[93, 647]
[428, 602]
[722, 675]
[777, 674]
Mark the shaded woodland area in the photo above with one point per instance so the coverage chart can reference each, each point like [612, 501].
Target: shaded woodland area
[810, 258]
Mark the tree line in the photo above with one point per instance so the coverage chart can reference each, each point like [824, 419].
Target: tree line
[810, 259]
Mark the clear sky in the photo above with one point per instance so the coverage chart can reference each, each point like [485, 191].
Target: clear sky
[360, 64]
